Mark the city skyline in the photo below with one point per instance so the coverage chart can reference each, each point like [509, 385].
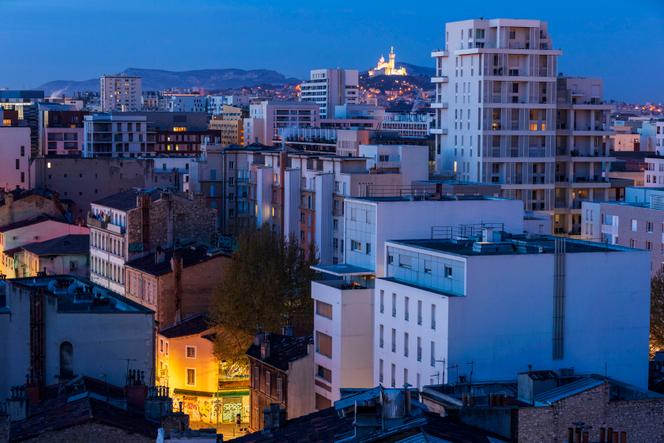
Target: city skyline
[293, 37]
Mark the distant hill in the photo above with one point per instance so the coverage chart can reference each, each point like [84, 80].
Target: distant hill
[158, 79]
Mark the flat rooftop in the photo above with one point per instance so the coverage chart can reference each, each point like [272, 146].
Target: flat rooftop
[508, 244]
[79, 295]
[433, 197]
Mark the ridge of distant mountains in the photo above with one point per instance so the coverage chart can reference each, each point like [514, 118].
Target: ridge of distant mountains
[209, 79]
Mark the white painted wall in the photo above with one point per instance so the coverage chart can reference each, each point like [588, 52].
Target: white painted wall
[352, 338]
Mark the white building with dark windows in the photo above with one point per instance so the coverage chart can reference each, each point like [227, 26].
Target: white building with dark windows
[329, 88]
[120, 92]
[345, 302]
[114, 135]
[488, 306]
[503, 116]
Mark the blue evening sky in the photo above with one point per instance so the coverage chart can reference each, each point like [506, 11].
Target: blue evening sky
[42, 40]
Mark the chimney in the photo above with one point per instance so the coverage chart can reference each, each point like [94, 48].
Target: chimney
[9, 203]
[135, 389]
[159, 255]
[176, 268]
[265, 347]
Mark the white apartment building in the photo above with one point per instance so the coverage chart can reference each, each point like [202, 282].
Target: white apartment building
[329, 88]
[109, 241]
[501, 119]
[370, 221]
[186, 102]
[476, 309]
[267, 117]
[652, 136]
[408, 125]
[344, 305]
[121, 93]
[637, 222]
[653, 175]
[114, 135]
[302, 194]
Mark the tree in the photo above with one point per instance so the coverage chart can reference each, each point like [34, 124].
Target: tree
[657, 313]
[266, 287]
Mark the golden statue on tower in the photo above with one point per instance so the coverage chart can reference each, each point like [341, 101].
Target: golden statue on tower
[387, 67]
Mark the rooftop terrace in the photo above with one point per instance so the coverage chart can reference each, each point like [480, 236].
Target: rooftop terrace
[508, 244]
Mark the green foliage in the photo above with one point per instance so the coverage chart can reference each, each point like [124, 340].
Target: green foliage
[657, 313]
[267, 286]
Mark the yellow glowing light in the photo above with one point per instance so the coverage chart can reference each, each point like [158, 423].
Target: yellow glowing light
[179, 129]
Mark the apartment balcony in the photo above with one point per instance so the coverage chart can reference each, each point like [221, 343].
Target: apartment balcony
[438, 131]
[440, 105]
[440, 53]
[440, 79]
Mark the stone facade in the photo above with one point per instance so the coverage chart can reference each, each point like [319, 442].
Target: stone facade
[158, 292]
[591, 412]
[172, 219]
[29, 206]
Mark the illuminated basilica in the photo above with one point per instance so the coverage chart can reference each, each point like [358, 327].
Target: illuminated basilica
[387, 67]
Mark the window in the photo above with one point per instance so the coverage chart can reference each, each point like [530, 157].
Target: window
[405, 261]
[191, 351]
[323, 344]
[191, 377]
[635, 225]
[254, 377]
[381, 336]
[393, 375]
[433, 316]
[649, 227]
[356, 246]
[382, 301]
[268, 383]
[448, 271]
[324, 309]
[433, 354]
[368, 249]
[394, 340]
[394, 304]
[419, 349]
[427, 266]
[66, 360]
[380, 370]
[280, 388]
[405, 375]
[406, 301]
[419, 312]
[322, 402]
[324, 373]
[405, 344]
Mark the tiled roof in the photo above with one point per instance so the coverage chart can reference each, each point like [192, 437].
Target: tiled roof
[67, 244]
[567, 390]
[189, 326]
[323, 427]
[125, 200]
[23, 223]
[65, 414]
[283, 350]
[191, 255]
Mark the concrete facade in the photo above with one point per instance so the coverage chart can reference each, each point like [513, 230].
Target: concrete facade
[14, 157]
